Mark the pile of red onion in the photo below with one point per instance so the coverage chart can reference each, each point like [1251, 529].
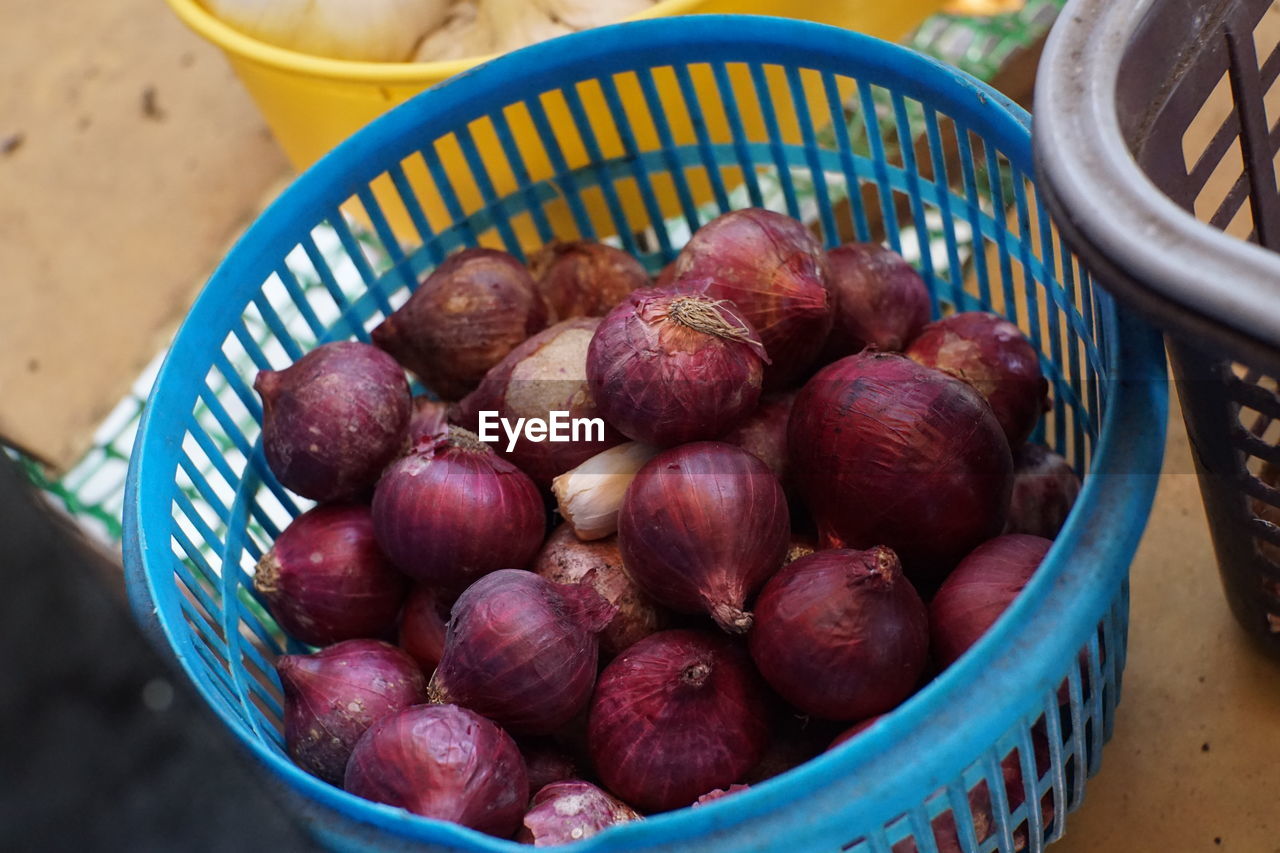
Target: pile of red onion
[802, 500]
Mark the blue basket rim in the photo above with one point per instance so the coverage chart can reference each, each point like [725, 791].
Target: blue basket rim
[1128, 443]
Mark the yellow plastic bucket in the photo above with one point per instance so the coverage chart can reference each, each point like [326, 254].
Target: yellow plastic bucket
[312, 103]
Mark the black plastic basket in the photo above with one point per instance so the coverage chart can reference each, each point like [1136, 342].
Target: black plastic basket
[1156, 141]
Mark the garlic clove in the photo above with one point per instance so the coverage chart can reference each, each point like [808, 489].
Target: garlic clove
[590, 495]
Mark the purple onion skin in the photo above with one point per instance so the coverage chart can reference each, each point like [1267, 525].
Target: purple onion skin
[444, 762]
[663, 375]
[450, 512]
[422, 627]
[841, 635]
[764, 434]
[569, 811]
[522, 650]
[465, 316]
[546, 762]
[974, 595]
[887, 452]
[881, 301]
[333, 696]
[718, 794]
[546, 373]
[333, 419]
[666, 276]
[580, 278]
[702, 527]
[598, 564]
[429, 421]
[325, 579]
[1045, 487]
[993, 356]
[676, 715]
[774, 270]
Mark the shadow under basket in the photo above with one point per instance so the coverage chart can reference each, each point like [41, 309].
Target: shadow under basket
[862, 138]
[1157, 141]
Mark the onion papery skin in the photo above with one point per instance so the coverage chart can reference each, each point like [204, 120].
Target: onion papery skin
[565, 559]
[422, 626]
[887, 452]
[429, 421]
[450, 512]
[466, 315]
[325, 579]
[676, 715]
[774, 270]
[881, 301]
[569, 811]
[993, 356]
[580, 278]
[718, 794]
[522, 650]
[984, 584]
[667, 367]
[546, 373]
[333, 696]
[333, 419]
[1045, 487]
[702, 527]
[444, 762]
[841, 635]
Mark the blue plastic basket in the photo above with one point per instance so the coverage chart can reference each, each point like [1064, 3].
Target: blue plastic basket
[863, 137]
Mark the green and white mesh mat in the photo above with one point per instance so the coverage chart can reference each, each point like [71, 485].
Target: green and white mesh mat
[92, 492]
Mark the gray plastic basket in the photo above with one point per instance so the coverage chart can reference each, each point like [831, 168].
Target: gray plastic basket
[1156, 142]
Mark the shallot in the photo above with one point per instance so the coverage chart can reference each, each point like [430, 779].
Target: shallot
[841, 635]
[881, 301]
[584, 279]
[887, 452]
[571, 810]
[333, 696]
[325, 579]
[1045, 487]
[679, 713]
[422, 626]
[702, 527]
[451, 511]
[333, 420]
[471, 311]
[444, 762]
[993, 356]
[774, 270]
[764, 433]
[667, 367]
[522, 650]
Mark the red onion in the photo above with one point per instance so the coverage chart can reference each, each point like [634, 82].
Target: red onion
[325, 579]
[452, 511]
[429, 422]
[444, 762]
[841, 635]
[795, 739]
[464, 317]
[546, 373]
[1045, 487]
[855, 730]
[991, 354]
[568, 811]
[331, 698]
[546, 762]
[422, 627]
[718, 794]
[886, 452]
[522, 650]
[584, 279]
[333, 420]
[978, 591]
[701, 528]
[566, 560]
[677, 714]
[881, 301]
[667, 367]
[764, 433]
[801, 545]
[773, 269]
